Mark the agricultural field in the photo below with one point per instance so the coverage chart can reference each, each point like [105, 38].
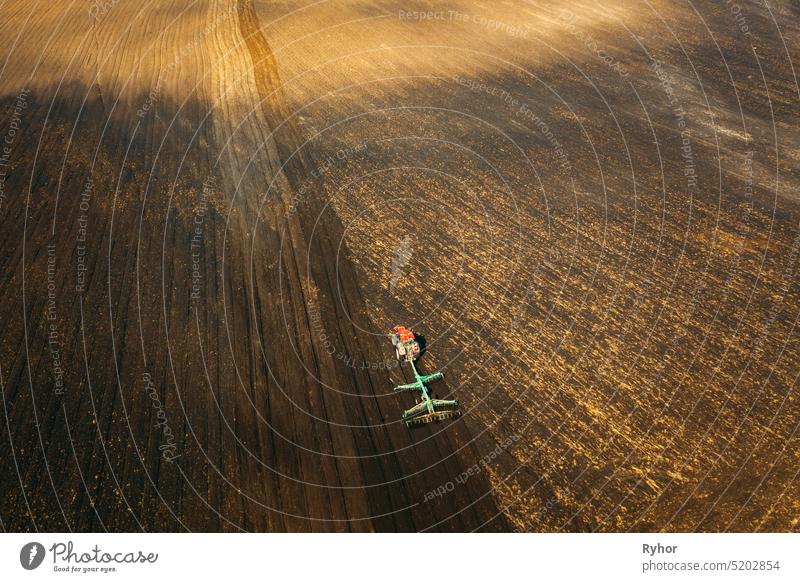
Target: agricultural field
[214, 211]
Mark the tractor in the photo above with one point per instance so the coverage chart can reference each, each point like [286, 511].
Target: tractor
[407, 349]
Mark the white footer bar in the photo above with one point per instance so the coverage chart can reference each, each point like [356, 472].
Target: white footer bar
[390, 557]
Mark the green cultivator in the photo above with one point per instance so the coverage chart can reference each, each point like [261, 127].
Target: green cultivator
[428, 409]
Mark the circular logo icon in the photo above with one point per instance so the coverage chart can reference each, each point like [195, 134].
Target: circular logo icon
[31, 555]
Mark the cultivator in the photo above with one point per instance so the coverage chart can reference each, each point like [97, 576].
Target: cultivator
[427, 409]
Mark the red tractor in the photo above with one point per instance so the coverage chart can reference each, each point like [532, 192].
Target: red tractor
[406, 346]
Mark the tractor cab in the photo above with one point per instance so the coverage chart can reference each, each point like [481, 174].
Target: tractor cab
[406, 346]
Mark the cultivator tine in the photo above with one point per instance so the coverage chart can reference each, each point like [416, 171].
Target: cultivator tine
[446, 415]
[419, 420]
[432, 416]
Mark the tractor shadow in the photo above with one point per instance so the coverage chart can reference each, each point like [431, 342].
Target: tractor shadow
[423, 343]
